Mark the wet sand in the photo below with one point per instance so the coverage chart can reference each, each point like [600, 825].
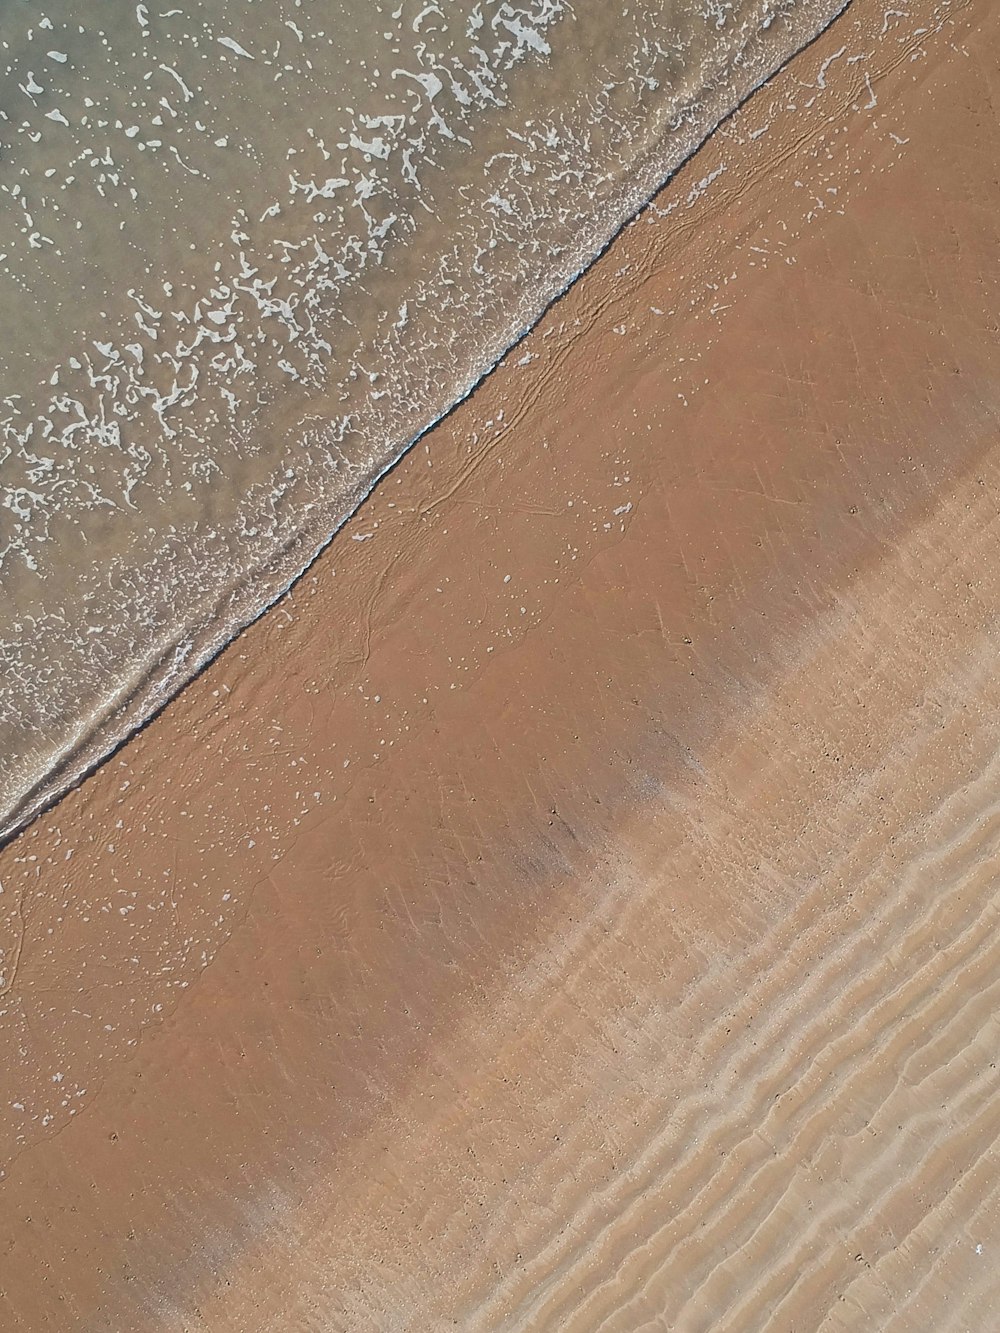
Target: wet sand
[600, 933]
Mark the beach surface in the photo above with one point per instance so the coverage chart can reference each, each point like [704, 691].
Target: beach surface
[574, 905]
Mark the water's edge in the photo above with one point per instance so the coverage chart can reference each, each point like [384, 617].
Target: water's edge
[240, 607]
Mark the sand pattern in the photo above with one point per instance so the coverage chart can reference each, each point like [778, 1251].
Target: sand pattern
[574, 907]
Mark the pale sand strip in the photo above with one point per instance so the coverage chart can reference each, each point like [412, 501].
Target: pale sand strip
[841, 1086]
[648, 979]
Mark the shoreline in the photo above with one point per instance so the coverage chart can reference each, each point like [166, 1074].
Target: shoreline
[237, 608]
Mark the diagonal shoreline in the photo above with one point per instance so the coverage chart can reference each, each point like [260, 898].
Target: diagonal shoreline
[176, 663]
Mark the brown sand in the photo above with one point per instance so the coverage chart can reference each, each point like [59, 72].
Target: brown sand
[612, 947]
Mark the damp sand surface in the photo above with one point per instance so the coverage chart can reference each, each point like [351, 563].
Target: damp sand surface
[599, 932]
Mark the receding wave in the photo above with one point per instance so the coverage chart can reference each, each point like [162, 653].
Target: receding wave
[248, 255]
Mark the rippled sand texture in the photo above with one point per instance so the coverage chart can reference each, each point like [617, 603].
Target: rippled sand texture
[575, 906]
[248, 254]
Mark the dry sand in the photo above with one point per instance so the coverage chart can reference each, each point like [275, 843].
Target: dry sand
[600, 932]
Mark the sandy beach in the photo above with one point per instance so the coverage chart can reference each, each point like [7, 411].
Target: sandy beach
[573, 906]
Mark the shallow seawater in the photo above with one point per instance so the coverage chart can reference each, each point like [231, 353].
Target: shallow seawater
[248, 252]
